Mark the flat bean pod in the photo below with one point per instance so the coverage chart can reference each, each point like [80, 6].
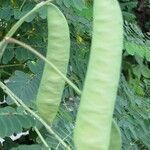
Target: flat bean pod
[52, 84]
[94, 119]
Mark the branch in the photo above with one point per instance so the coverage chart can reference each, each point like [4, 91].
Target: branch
[19, 102]
[28, 47]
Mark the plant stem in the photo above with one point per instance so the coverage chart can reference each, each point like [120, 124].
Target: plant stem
[41, 137]
[22, 5]
[11, 65]
[5, 72]
[28, 47]
[3, 43]
[19, 101]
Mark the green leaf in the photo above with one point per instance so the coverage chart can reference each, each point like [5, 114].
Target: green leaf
[86, 12]
[22, 54]
[129, 16]
[12, 122]
[148, 55]
[137, 71]
[8, 54]
[43, 12]
[24, 86]
[129, 47]
[145, 71]
[67, 3]
[79, 4]
[18, 14]
[27, 7]
[36, 67]
[5, 13]
[139, 50]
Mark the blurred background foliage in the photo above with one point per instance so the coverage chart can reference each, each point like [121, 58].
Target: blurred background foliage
[21, 70]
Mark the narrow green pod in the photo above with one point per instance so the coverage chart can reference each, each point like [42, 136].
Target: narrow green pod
[94, 119]
[58, 52]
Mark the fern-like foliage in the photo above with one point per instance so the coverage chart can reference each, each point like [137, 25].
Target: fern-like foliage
[128, 7]
[133, 115]
[136, 43]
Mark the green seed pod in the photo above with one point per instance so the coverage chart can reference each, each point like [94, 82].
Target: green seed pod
[94, 119]
[52, 84]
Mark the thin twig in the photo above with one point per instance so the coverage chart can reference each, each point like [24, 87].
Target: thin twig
[35, 128]
[28, 47]
[41, 137]
[11, 65]
[7, 73]
[63, 140]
